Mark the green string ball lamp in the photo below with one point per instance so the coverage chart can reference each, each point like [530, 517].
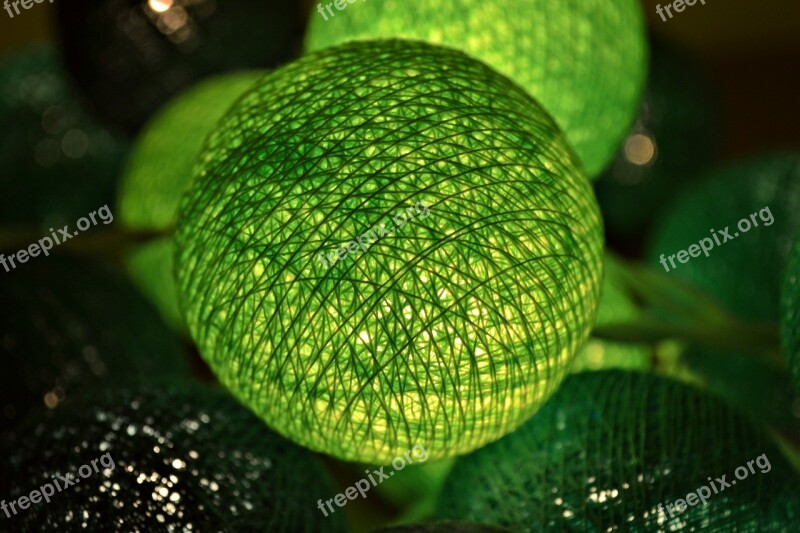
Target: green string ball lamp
[790, 326]
[449, 326]
[170, 457]
[156, 172]
[69, 325]
[583, 60]
[611, 449]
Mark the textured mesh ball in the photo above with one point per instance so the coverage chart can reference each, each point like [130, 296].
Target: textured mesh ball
[745, 272]
[448, 331]
[158, 169]
[617, 308]
[584, 60]
[169, 458]
[67, 325]
[790, 326]
[609, 448]
[57, 163]
[130, 57]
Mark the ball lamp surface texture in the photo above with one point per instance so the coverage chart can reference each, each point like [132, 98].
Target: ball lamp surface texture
[748, 213]
[611, 449]
[584, 60]
[69, 325]
[790, 326]
[156, 172]
[475, 280]
[164, 457]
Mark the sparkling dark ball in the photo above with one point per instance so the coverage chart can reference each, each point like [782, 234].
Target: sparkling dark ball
[67, 324]
[130, 56]
[57, 163]
[179, 457]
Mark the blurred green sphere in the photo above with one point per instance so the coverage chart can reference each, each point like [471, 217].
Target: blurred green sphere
[158, 169]
[57, 163]
[791, 313]
[758, 203]
[67, 325]
[449, 326]
[583, 60]
[610, 450]
[169, 457]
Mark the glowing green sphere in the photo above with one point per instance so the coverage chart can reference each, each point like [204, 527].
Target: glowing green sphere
[584, 60]
[790, 328]
[449, 325]
[157, 171]
[609, 448]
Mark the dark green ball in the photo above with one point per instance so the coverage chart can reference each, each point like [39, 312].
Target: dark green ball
[68, 324]
[185, 458]
[57, 163]
[610, 447]
[791, 313]
[745, 272]
[443, 527]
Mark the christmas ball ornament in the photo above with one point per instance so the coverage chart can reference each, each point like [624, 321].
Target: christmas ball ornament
[58, 164]
[443, 527]
[585, 61]
[790, 326]
[676, 135]
[746, 216]
[163, 458]
[158, 169]
[129, 57]
[616, 450]
[385, 244]
[67, 325]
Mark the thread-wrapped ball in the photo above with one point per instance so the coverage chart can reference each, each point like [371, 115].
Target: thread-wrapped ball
[67, 325]
[611, 450]
[157, 170]
[790, 326]
[169, 458]
[57, 163]
[748, 215]
[448, 326]
[585, 61]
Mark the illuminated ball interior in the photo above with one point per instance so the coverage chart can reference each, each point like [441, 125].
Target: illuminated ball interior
[585, 61]
[450, 330]
[609, 448]
[790, 327]
[743, 272]
[170, 458]
[159, 168]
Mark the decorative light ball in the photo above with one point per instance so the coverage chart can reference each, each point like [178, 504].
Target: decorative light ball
[158, 169]
[585, 61]
[169, 458]
[129, 57]
[611, 450]
[57, 163]
[790, 327]
[616, 307]
[449, 330]
[67, 325]
[744, 270]
[676, 136]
